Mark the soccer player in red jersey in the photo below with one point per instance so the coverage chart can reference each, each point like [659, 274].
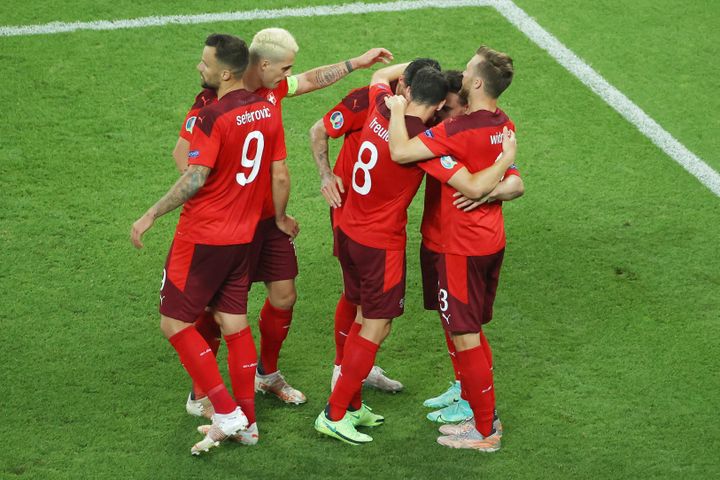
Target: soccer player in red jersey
[371, 240]
[208, 262]
[450, 406]
[347, 119]
[469, 246]
[272, 54]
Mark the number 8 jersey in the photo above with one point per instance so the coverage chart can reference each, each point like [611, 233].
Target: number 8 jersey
[238, 137]
[375, 213]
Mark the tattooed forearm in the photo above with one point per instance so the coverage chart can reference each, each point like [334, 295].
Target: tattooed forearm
[325, 76]
[183, 190]
[319, 147]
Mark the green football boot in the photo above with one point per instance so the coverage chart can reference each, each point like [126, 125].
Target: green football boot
[343, 430]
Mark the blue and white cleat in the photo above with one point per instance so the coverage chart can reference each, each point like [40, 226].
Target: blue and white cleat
[455, 413]
[447, 398]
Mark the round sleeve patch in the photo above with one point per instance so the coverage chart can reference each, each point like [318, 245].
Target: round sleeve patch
[447, 161]
[190, 124]
[337, 120]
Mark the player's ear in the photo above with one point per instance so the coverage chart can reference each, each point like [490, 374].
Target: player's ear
[440, 106]
[407, 93]
[478, 83]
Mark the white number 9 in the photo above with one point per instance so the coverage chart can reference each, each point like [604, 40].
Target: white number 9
[254, 162]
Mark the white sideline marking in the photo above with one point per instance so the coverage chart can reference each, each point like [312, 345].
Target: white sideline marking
[612, 96]
[514, 14]
[350, 8]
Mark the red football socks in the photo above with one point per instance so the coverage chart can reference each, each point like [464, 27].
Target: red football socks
[274, 326]
[210, 331]
[453, 354]
[357, 361]
[354, 331]
[242, 363]
[199, 361]
[486, 349]
[344, 317]
[476, 379]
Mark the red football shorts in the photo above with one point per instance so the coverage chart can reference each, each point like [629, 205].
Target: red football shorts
[429, 271]
[335, 214]
[272, 254]
[466, 290]
[373, 278]
[199, 275]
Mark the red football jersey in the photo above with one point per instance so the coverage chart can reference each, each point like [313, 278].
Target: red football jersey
[209, 96]
[238, 137]
[475, 140]
[204, 98]
[348, 118]
[375, 214]
[274, 96]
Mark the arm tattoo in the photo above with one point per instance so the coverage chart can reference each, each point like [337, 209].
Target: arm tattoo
[183, 190]
[319, 148]
[325, 76]
[321, 159]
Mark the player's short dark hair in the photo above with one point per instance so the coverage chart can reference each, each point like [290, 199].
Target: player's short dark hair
[454, 80]
[416, 65]
[230, 50]
[496, 70]
[429, 87]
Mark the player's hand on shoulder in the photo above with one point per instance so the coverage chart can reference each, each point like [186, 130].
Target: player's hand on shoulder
[371, 57]
[396, 102]
[288, 225]
[140, 226]
[509, 142]
[331, 188]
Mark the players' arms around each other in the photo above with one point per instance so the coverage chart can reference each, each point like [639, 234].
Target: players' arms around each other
[510, 188]
[324, 76]
[336, 123]
[480, 184]
[185, 188]
[472, 185]
[388, 74]
[281, 193]
[331, 185]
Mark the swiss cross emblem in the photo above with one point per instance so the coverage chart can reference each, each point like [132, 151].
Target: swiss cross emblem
[271, 98]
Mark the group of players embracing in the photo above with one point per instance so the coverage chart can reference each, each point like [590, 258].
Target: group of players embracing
[233, 230]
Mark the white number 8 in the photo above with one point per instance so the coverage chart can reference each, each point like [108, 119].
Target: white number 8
[365, 167]
[253, 163]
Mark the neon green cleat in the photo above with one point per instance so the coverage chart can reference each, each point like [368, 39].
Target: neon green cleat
[364, 417]
[343, 430]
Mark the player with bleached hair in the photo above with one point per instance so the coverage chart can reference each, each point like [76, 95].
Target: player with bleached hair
[273, 259]
[208, 262]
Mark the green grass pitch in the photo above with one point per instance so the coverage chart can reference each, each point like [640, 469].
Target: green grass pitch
[606, 324]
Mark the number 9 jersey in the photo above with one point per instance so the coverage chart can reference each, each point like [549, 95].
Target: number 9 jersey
[238, 137]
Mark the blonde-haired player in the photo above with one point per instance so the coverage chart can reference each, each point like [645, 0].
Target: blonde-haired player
[269, 74]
